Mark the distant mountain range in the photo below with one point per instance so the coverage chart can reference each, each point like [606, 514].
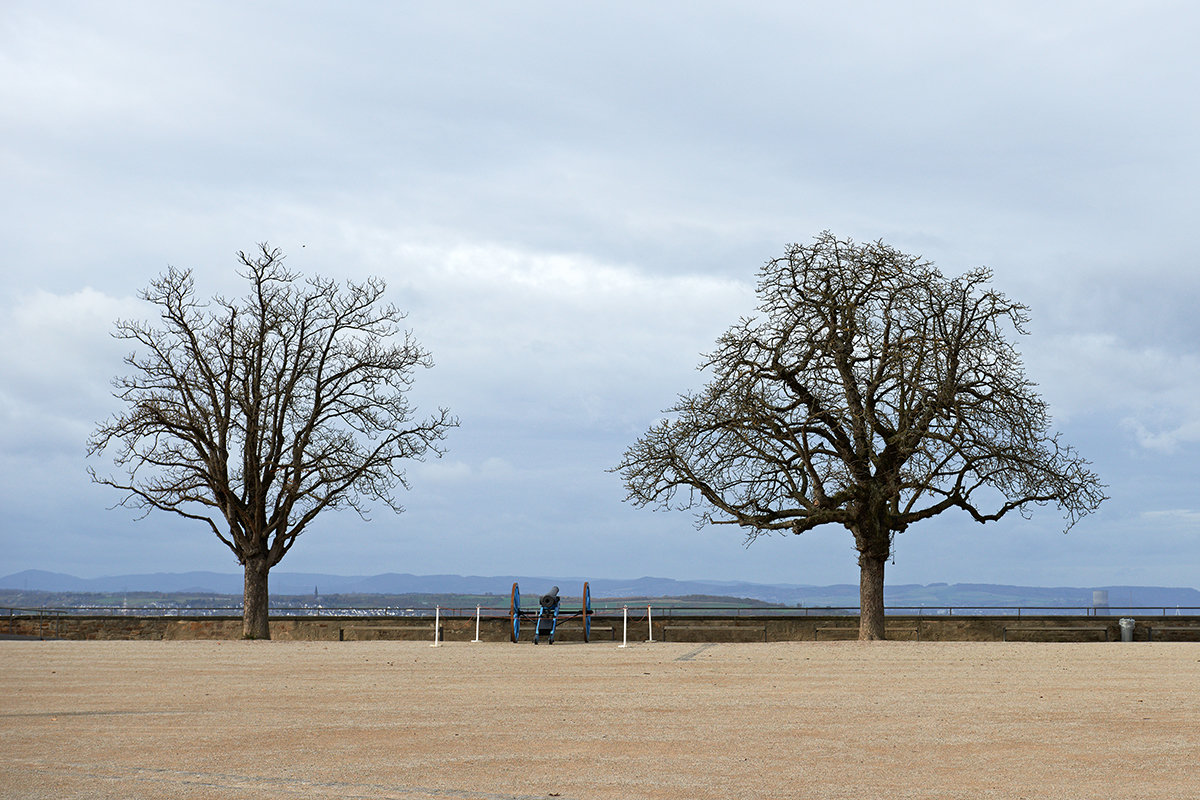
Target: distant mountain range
[293, 583]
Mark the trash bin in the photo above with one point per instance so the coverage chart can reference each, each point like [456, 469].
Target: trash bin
[1126, 629]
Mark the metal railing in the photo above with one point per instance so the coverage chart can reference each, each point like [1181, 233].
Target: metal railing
[42, 617]
[907, 611]
[604, 609]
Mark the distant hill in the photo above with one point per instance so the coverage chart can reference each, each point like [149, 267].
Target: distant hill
[915, 595]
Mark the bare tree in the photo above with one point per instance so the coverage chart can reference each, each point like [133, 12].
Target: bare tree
[255, 415]
[870, 392]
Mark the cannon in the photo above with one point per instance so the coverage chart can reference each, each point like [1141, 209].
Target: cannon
[546, 618]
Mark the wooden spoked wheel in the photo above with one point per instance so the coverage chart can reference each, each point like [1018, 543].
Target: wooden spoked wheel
[587, 613]
[514, 611]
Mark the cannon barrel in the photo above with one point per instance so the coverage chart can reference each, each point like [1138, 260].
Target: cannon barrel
[550, 599]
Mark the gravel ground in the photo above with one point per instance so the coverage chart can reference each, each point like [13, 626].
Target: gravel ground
[407, 721]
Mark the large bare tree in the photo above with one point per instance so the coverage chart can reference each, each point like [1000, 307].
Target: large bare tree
[255, 415]
[870, 392]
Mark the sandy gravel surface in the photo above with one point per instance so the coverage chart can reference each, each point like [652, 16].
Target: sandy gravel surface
[406, 721]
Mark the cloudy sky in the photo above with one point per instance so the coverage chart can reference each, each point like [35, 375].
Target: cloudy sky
[571, 201]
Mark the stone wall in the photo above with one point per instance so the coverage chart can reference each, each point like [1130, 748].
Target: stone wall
[607, 627]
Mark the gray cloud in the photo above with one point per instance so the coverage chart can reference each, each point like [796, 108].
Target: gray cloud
[572, 202]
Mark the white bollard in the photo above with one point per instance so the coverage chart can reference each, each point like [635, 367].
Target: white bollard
[650, 623]
[476, 639]
[625, 629]
[437, 623]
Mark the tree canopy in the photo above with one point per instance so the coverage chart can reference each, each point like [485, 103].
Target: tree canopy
[253, 416]
[871, 392]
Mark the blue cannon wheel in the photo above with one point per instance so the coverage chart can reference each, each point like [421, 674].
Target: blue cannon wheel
[587, 613]
[514, 611]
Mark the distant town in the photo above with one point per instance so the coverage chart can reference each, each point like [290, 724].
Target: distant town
[398, 594]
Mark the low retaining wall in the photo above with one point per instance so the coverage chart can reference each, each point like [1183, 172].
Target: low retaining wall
[607, 628]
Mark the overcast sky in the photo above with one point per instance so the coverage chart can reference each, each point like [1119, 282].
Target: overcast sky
[571, 201]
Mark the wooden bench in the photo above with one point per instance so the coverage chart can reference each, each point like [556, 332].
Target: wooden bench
[714, 633]
[1058, 629]
[1150, 629]
[574, 633]
[844, 634]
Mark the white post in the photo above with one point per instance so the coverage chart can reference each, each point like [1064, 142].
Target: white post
[625, 629]
[650, 623]
[437, 623]
[476, 639]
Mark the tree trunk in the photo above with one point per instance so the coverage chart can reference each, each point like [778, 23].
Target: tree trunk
[870, 597]
[255, 624]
